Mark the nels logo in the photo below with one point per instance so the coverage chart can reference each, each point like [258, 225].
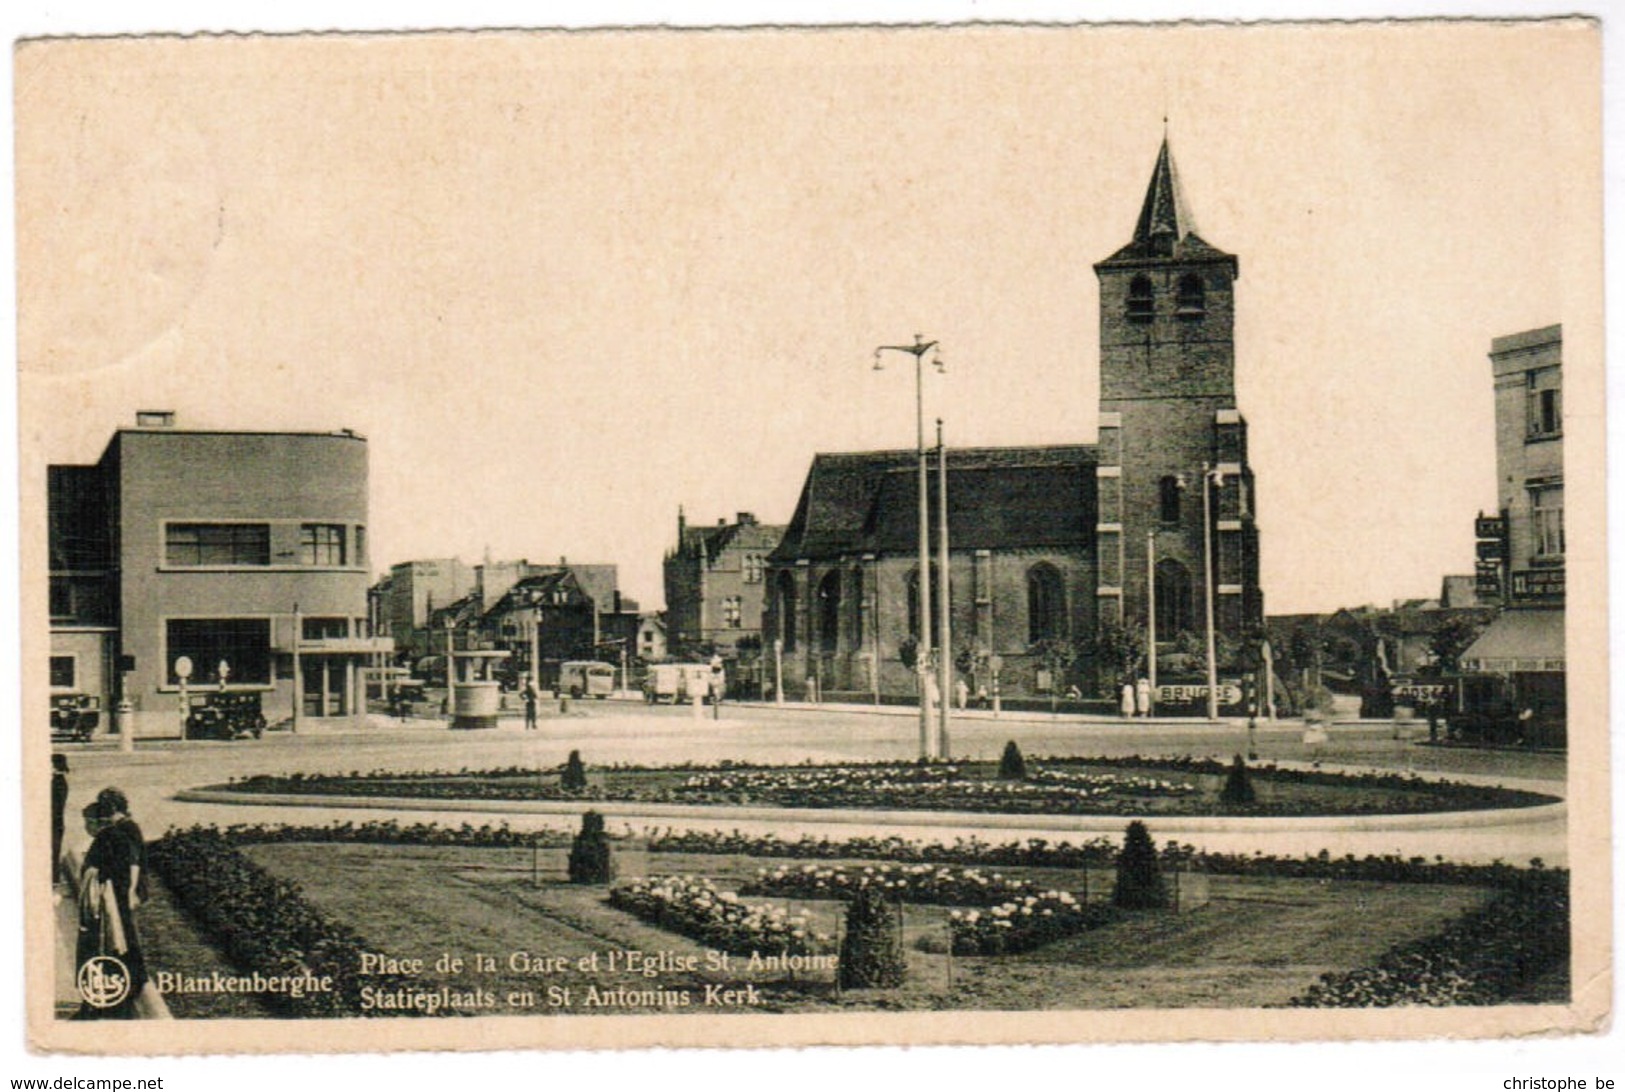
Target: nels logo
[104, 981]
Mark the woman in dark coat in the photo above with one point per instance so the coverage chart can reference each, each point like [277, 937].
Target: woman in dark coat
[109, 884]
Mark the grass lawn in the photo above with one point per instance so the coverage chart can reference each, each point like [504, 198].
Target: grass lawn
[1256, 942]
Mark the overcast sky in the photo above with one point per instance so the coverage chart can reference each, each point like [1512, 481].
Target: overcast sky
[565, 283]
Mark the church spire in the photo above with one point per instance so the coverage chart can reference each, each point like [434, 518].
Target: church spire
[1164, 220]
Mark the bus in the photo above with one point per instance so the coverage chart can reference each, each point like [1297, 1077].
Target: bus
[586, 679]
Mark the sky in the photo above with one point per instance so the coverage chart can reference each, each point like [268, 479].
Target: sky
[565, 283]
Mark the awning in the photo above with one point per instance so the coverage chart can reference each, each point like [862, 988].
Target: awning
[1518, 640]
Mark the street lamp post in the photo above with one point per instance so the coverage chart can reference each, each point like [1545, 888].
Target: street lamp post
[1210, 477]
[945, 663]
[922, 664]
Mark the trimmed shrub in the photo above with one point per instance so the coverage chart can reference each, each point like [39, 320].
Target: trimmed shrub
[591, 860]
[574, 778]
[872, 950]
[1238, 786]
[1012, 767]
[1139, 878]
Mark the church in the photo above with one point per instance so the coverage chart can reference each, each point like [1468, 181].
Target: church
[1062, 560]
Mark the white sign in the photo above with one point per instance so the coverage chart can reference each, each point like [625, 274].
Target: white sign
[1178, 694]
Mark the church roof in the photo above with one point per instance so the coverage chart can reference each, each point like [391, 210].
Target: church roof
[1166, 228]
[998, 498]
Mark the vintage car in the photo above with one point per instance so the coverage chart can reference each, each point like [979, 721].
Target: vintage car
[225, 715]
[75, 716]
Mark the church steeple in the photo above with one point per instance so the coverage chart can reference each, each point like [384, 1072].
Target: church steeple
[1164, 220]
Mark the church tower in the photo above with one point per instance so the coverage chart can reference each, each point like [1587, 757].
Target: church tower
[1168, 427]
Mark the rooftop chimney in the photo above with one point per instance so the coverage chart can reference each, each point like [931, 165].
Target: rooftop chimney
[747, 519]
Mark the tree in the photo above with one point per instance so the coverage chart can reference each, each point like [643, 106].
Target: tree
[1139, 876]
[1119, 650]
[909, 652]
[1455, 636]
[1238, 786]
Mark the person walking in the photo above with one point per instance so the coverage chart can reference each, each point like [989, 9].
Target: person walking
[1128, 700]
[1142, 697]
[59, 812]
[108, 956]
[531, 696]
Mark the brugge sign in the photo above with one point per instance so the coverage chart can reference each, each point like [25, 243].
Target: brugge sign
[1192, 693]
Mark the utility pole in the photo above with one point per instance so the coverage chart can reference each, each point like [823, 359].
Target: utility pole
[945, 662]
[1210, 476]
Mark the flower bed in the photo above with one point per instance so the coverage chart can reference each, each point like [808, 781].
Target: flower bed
[1068, 786]
[262, 924]
[942, 885]
[1023, 924]
[696, 908]
[1484, 958]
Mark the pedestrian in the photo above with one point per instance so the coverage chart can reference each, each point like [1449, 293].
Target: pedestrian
[59, 812]
[530, 696]
[961, 694]
[1128, 699]
[111, 967]
[1142, 697]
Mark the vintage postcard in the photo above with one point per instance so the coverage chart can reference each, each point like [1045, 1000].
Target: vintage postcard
[771, 537]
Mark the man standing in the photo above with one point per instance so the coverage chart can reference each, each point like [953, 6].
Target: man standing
[530, 696]
[59, 811]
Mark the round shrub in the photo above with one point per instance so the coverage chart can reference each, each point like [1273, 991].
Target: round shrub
[591, 860]
[1238, 786]
[1012, 767]
[872, 950]
[1139, 879]
[574, 778]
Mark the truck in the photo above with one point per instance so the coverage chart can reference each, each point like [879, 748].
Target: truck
[678, 683]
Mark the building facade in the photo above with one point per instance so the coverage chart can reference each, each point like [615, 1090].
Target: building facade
[242, 555]
[1061, 558]
[715, 580]
[1514, 676]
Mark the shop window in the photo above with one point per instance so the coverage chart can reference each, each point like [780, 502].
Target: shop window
[64, 673]
[196, 544]
[244, 644]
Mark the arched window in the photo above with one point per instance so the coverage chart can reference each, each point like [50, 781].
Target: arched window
[1140, 306]
[1046, 604]
[1192, 297]
[1173, 599]
[829, 611]
[787, 611]
[1168, 499]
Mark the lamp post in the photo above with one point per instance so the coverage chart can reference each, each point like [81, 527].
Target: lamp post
[1151, 621]
[922, 664]
[945, 663]
[1210, 477]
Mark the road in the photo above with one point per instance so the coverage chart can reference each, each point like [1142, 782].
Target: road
[607, 732]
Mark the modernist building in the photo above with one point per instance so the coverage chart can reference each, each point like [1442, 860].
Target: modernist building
[1052, 547]
[1517, 669]
[714, 580]
[243, 554]
[403, 600]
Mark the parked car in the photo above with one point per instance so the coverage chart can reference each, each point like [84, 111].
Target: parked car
[225, 715]
[587, 678]
[75, 716]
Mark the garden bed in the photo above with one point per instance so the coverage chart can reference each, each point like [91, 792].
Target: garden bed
[1133, 786]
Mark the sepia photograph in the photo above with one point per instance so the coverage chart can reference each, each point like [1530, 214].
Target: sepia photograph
[759, 536]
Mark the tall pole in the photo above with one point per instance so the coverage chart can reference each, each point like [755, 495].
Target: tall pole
[1151, 619]
[922, 664]
[945, 663]
[536, 648]
[298, 671]
[1207, 566]
[451, 675]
